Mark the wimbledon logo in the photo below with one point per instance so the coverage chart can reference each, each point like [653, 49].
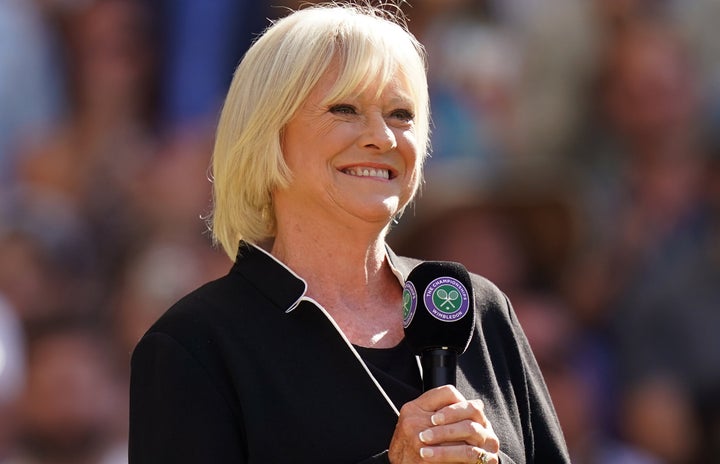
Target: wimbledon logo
[409, 303]
[446, 299]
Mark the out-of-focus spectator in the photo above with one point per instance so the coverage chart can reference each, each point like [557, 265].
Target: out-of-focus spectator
[71, 410]
[643, 135]
[173, 192]
[576, 371]
[473, 69]
[519, 236]
[658, 415]
[507, 83]
[557, 40]
[476, 235]
[202, 43]
[699, 20]
[12, 374]
[645, 273]
[49, 261]
[94, 158]
[476, 73]
[30, 87]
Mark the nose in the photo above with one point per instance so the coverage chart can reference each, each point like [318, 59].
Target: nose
[378, 136]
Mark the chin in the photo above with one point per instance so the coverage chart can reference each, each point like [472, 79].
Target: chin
[379, 216]
[378, 211]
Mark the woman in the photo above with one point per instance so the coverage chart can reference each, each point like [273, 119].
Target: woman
[298, 353]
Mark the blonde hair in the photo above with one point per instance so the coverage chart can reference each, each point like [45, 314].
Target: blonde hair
[274, 78]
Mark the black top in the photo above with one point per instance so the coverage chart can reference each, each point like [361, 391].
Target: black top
[247, 369]
[395, 369]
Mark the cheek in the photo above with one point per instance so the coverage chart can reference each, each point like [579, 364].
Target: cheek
[407, 142]
[415, 183]
[292, 146]
[415, 163]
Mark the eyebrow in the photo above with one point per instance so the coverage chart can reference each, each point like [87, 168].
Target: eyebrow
[403, 100]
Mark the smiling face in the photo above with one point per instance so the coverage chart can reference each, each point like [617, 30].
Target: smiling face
[355, 159]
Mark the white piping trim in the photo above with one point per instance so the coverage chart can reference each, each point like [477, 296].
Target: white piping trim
[397, 273]
[354, 351]
[297, 302]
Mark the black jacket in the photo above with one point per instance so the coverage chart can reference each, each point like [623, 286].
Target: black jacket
[247, 369]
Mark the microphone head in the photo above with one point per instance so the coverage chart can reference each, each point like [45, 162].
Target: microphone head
[438, 307]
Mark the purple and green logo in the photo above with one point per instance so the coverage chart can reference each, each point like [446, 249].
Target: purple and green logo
[446, 299]
[409, 303]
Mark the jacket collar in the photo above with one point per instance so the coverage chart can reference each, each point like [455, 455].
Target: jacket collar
[281, 285]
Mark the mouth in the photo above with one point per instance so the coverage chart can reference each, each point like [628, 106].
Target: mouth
[364, 171]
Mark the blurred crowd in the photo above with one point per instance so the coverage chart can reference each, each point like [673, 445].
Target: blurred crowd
[576, 163]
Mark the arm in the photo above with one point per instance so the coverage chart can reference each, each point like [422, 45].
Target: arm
[177, 414]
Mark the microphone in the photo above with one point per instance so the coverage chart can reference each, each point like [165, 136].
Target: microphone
[439, 318]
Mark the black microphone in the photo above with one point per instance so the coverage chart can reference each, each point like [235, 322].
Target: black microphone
[439, 318]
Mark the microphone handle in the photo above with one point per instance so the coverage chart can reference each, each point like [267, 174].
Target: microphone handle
[439, 367]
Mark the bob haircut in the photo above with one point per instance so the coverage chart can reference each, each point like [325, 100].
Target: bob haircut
[270, 84]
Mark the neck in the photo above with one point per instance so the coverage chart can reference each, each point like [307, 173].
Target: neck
[332, 260]
[349, 275]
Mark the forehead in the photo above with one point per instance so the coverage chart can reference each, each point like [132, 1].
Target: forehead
[333, 86]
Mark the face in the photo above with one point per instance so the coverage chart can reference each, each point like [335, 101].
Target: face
[351, 160]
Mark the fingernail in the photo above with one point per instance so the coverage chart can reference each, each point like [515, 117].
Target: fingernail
[437, 419]
[426, 452]
[426, 436]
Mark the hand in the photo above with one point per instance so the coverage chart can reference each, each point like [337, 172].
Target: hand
[442, 426]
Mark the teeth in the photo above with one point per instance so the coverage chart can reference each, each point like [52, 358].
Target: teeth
[368, 172]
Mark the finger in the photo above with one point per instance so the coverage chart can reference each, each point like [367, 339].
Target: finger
[467, 431]
[458, 453]
[412, 420]
[473, 410]
[440, 397]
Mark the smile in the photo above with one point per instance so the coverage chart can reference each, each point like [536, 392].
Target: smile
[367, 172]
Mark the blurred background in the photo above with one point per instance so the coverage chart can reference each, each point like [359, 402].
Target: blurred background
[576, 163]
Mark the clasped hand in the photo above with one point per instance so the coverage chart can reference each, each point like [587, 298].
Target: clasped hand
[442, 426]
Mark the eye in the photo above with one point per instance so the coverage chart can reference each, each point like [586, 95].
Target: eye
[403, 115]
[343, 109]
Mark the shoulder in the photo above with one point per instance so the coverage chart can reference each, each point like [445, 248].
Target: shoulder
[193, 335]
[207, 314]
[198, 307]
[489, 299]
[494, 313]
[181, 327]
